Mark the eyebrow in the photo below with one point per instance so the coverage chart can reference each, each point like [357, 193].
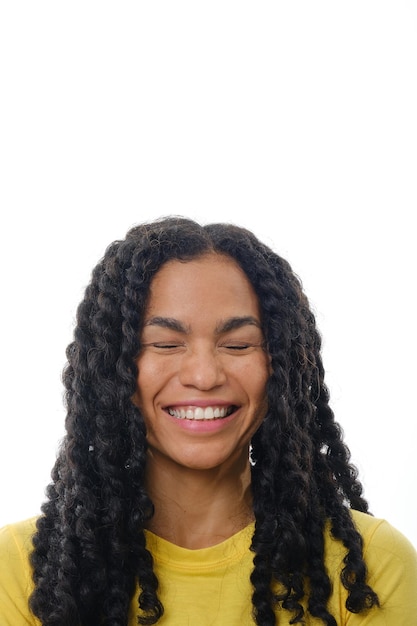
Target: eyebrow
[233, 323]
[224, 326]
[168, 322]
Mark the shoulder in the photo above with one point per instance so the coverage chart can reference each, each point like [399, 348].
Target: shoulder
[384, 543]
[15, 573]
[17, 538]
[391, 563]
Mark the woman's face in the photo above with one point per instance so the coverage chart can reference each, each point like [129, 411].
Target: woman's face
[202, 366]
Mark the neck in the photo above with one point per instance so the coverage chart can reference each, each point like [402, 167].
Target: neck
[198, 508]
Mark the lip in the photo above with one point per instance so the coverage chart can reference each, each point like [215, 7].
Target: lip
[190, 402]
[201, 426]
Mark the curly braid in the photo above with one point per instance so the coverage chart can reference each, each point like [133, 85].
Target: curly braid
[307, 450]
[89, 550]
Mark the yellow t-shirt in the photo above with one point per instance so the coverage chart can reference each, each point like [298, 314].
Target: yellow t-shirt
[211, 586]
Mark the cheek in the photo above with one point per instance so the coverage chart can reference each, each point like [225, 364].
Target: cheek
[260, 387]
[149, 372]
[153, 374]
[144, 382]
[256, 376]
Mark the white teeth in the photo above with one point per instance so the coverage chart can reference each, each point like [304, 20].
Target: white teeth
[209, 413]
[200, 413]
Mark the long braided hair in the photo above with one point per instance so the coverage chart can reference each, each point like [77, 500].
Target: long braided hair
[89, 552]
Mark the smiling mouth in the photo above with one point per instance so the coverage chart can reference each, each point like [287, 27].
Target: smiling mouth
[202, 413]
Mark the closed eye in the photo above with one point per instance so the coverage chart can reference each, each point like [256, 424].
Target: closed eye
[240, 347]
[163, 345]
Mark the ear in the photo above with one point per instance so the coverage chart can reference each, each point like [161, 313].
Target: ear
[135, 399]
[270, 369]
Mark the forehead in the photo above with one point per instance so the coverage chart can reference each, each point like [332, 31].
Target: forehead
[213, 283]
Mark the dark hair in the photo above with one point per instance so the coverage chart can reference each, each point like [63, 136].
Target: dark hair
[89, 550]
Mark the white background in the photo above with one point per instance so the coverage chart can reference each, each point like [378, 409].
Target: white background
[296, 119]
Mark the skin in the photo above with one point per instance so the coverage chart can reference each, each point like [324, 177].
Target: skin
[202, 346]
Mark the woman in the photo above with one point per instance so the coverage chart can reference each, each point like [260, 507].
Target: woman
[203, 478]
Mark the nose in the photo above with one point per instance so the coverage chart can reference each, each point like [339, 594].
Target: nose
[202, 368]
